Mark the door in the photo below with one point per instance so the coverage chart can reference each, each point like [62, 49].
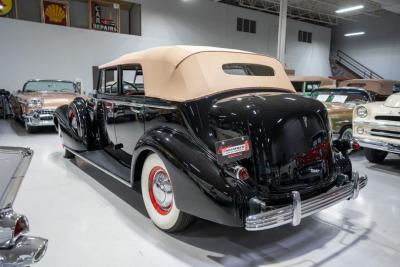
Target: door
[107, 94]
[129, 109]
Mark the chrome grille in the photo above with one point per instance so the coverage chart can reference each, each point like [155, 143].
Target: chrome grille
[388, 118]
[46, 111]
[385, 133]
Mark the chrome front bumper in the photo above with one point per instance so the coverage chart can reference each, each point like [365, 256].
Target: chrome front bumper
[300, 209]
[379, 145]
[39, 118]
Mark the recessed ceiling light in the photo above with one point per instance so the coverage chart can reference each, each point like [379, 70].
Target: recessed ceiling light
[354, 34]
[348, 9]
[1, 7]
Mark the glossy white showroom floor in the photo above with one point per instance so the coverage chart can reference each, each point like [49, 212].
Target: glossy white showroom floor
[92, 220]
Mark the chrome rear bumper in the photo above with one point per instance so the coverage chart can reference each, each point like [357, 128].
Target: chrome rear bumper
[300, 209]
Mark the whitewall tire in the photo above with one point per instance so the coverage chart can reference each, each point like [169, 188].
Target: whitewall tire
[158, 196]
[347, 134]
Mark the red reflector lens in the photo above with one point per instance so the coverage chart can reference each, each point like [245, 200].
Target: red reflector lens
[242, 173]
[356, 146]
[20, 226]
[71, 115]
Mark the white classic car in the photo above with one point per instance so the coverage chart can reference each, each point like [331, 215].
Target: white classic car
[376, 127]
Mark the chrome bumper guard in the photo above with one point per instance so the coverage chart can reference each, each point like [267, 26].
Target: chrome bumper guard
[300, 209]
[379, 145]
[26, 251]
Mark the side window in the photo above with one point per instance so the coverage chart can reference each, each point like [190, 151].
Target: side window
[396, 88]
[109, 81]
[132, 80]
[312, 86]
[101, 84]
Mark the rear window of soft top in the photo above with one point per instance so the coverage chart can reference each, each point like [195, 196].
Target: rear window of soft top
[248, 69]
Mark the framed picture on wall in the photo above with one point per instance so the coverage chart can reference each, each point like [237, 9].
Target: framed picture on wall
[104, 16]
[8, 8]
[55, 12]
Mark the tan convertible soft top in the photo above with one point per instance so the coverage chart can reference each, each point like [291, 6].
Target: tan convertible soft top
[181, 73]
[380, 87]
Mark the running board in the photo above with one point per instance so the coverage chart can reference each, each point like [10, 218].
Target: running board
[106, 163]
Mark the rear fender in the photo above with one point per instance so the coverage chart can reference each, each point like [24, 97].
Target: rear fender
[199, 186]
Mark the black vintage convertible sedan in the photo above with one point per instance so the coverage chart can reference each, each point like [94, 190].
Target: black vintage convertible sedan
[212, 133]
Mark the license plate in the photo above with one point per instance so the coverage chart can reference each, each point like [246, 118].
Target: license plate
[231, 150]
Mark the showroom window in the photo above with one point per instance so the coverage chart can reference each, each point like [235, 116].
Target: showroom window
[305, 37]
[102, 15]
[246, 25]
[132, 77]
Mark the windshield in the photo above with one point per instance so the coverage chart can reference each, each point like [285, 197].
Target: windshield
[340, 95]
[52, 86]
[306, 86]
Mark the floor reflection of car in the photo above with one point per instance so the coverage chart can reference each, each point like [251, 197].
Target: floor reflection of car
[340, 103]
[218, 134]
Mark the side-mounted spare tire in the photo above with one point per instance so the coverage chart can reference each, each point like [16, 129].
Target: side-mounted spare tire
[79, 119]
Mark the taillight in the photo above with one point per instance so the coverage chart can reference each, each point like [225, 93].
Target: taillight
[71, 115]
[21, 226]
[241, 173]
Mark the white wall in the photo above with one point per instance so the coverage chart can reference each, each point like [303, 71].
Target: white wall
[36, 50]
[378, 49]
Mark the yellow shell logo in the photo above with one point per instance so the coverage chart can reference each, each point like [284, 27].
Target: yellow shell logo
[5, 7]
[55, 13]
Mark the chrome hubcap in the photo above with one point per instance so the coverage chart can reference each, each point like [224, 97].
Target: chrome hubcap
[162, 189]
[348, 134]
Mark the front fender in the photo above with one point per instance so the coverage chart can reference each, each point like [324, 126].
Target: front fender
[200, 189]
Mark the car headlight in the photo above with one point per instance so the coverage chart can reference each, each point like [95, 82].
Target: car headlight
[34, 103]
[362, 112]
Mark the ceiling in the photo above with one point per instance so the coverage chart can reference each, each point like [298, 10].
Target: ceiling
[321, 12]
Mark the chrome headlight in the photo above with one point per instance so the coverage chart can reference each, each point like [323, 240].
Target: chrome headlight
[34, 103]
[362, 112]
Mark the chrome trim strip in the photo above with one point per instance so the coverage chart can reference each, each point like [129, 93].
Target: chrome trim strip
[301, 209]
[384, 134]
[296, 208]
[371, 124]
[119, 179]
[140, 105]
[160, 106]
